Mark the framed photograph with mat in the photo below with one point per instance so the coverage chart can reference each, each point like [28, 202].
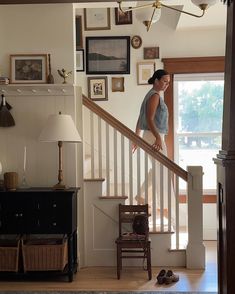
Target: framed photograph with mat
[108, 55]
[98, 88]
[28, 68]
[144, 71]
[80, 60]
[96, 19]
[118, 84]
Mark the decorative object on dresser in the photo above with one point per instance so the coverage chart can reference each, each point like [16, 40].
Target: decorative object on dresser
[24, 183]
[60, 128]
[46, 214]
[64, 74]
[11, 181]
[28, 68]
[50, 78]
[6, 119]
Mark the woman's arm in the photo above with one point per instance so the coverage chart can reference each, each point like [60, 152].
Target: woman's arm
[152, 105]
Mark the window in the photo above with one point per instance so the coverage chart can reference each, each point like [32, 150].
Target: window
[198, 109]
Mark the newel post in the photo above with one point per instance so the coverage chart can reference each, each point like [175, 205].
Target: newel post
[195, 251]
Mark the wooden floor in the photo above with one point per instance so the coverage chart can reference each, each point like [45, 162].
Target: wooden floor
[103, 278]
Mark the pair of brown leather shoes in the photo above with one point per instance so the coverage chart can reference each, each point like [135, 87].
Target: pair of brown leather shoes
[167, 277]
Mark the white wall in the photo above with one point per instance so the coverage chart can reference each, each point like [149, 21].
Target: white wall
[37, 29]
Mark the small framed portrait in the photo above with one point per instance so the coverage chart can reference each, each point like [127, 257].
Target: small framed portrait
[136, 42]
[98, 88]
[118, 84]
[151, 53]
[80, 60]
[122, 18]
[79, 40]
[144, 71]
[28, 68]
[96, 19]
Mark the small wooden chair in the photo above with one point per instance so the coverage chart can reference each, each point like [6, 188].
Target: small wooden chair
[131, 245]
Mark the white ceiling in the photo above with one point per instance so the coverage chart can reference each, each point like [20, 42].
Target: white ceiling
[214, 17]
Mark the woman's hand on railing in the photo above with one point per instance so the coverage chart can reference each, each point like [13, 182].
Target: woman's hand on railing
[157, 145]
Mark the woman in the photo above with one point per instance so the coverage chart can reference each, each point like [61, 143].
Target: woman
[153, 120]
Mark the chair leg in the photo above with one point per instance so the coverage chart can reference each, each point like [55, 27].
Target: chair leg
[118, 261]
[149, 262]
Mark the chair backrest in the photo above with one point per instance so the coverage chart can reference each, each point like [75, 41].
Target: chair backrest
[129, 214]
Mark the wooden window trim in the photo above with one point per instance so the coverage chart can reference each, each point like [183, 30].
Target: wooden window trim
[186, 65]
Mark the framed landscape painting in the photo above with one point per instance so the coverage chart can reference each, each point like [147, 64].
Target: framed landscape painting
[108, 55]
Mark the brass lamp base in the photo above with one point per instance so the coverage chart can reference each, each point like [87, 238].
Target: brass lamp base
[60, 186]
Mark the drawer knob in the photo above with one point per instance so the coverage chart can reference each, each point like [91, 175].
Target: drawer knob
[54, 224]
[54, 205]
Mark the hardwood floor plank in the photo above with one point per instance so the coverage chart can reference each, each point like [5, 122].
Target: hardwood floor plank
[132, 279]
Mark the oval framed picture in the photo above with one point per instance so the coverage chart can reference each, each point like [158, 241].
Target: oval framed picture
[136, 42]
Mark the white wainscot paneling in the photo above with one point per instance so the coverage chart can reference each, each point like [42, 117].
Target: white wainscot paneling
[31, 106]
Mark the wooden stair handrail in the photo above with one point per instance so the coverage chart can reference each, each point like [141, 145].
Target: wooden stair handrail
[116, 124]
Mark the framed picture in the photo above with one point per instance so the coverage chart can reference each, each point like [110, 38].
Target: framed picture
[80, 60]
[108, 55]
[122, 18]
[28, 68]
[151, 52]
[98, 88]
[79, 41]
[118, 84]
[136, 42]
[144, 71]
[96, 19]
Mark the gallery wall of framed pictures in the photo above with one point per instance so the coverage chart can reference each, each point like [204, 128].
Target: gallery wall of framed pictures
[107, 55]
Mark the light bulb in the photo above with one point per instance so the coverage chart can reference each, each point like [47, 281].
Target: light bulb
[207, 2]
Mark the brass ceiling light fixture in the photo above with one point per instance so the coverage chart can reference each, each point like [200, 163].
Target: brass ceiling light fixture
[157, 5]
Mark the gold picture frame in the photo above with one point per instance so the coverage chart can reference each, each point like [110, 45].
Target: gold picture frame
[144, 71]
[151, 52]
[118, 84]
[28, 68]
[96, 19]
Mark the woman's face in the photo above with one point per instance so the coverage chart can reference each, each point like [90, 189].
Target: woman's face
[163, 83]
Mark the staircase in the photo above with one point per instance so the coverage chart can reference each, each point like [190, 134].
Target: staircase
[115, 175]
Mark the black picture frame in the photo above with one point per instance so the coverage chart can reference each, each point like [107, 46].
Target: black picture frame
[79, 42]
[108, 55]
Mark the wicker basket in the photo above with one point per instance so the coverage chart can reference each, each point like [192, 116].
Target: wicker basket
[45, 254]
[9, 255]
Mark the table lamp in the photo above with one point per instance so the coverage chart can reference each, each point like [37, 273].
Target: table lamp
[60, 128]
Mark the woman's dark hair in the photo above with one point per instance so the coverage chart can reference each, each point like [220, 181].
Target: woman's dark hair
[157, 75]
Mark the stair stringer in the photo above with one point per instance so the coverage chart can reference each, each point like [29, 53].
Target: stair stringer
[101, 230]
